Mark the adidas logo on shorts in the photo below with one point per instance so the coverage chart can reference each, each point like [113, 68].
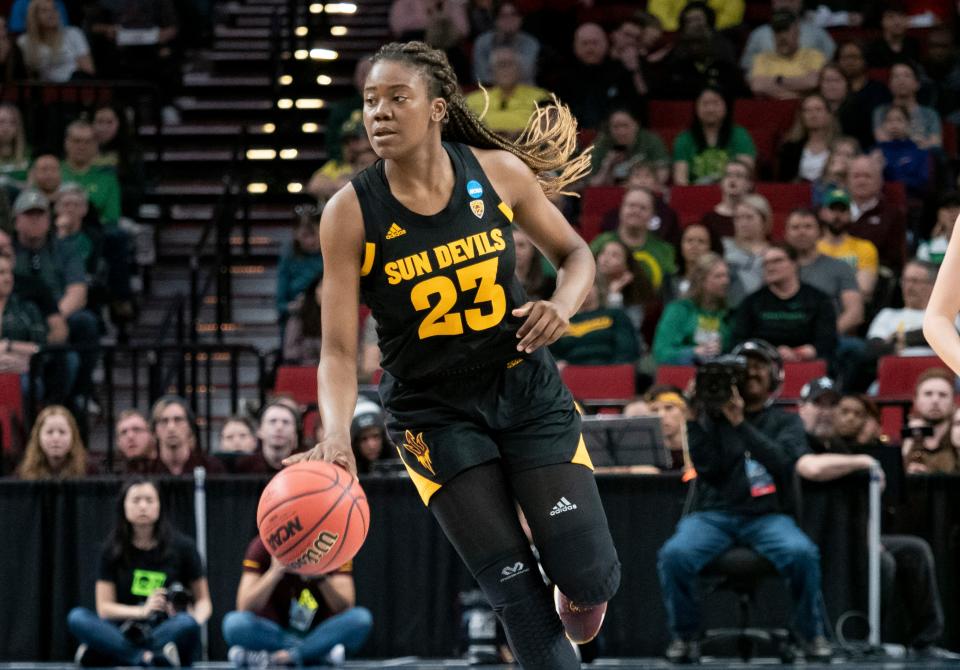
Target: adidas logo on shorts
[563, 505]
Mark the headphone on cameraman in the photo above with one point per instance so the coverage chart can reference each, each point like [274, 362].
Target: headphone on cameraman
[769, 353]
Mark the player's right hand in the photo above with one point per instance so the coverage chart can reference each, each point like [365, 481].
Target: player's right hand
[336, 451]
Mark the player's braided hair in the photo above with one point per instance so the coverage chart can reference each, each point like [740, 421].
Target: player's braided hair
[546, 145]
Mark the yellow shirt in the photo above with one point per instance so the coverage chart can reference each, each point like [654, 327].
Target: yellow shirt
[861, 254]
[729, 12]
[772, 64]
[507, 114]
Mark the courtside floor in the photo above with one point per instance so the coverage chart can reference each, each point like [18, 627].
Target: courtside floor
[414, 663]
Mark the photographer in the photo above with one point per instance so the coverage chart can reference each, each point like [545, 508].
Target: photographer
[144, 614]
[743, 451]
[928, 447]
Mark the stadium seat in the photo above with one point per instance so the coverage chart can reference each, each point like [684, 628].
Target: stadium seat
[597, 201]
[297, 381]
[675, 375]
[692, 202]
[11, 409]
[798, 373]
[896, 377]
[786, 197]
[765, 113]
[667, 113]
[668, 134]
[896, 193]
[949, 138]
[600, 382]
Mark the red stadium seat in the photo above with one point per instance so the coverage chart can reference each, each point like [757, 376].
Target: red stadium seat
[765, 113]
[600, 382]
[297, 381]
[692, 202]
[11, 409]
[669, 113]
[786, 197]
[798, 373]
[896, 377]
[949, 139]
[668, 134]
[675, 375]
[896, 193]
[597, 201]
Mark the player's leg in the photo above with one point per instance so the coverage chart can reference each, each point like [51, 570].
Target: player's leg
[569, 527]
[476, 511]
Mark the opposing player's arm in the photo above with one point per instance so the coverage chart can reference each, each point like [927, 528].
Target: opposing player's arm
[942, 310]
[547, 320]
[341, 242]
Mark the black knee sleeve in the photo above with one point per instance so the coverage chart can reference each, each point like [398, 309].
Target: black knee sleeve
[583, 565]
[516, 591]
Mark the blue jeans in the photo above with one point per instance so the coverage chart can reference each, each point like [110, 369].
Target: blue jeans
[105, 638]
[702, 536]
[349, 628]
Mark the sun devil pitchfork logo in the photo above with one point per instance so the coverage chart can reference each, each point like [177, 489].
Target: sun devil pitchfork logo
[416, 446]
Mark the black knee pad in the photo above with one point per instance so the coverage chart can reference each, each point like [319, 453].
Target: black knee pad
[518, 595]
[583, 564]
[536, 634]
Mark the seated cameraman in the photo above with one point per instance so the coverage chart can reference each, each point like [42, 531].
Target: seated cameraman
[144, 614]
[743, 451]
[908, 573]
[284, 618]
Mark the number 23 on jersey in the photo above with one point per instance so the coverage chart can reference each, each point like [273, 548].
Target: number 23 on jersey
[490, 301]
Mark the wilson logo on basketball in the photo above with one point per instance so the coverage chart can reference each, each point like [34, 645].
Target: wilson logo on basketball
[285, 532]
[315, 552]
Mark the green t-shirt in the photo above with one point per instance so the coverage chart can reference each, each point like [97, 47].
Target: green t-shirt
[598, 337]
[683, 326]
[102, 188]
[706, 166]
[657, 257]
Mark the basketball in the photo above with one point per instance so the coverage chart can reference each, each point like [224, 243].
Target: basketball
[313, 516]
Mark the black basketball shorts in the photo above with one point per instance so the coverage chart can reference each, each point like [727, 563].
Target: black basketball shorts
[518, 411]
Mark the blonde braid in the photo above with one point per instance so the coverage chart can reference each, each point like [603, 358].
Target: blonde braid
[546, 145]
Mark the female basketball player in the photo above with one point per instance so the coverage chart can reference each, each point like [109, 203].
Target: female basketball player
[939, 320]
[475, 402]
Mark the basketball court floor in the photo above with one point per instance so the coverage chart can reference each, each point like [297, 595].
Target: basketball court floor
[414, 663]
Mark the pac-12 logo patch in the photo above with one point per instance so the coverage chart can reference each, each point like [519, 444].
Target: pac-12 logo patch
[474, 189]
[477, 207]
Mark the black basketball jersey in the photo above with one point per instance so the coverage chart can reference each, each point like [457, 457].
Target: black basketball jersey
[441, 287]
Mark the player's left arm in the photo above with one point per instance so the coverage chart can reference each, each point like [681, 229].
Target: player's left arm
[546, 320]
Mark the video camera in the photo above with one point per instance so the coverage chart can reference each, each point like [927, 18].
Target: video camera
[716, 378]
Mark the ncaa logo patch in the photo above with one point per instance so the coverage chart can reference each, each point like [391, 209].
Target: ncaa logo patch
[474, 189]
[477, 207]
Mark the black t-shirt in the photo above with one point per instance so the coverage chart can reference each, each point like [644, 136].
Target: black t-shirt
[805, 318]
[151, 570]
[35, 290]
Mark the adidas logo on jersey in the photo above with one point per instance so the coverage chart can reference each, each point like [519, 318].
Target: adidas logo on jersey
[395, 231]
[563, 505]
